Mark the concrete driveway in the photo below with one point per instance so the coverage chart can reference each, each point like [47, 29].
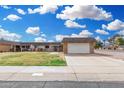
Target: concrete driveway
[96, 67]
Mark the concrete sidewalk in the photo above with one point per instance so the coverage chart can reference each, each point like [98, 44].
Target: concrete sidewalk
[36, 73]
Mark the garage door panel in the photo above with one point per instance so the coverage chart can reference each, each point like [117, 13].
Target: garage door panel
[78, 48]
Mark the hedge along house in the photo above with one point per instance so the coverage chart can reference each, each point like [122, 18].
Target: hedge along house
[78, 45]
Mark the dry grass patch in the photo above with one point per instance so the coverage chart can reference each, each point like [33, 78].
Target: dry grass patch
[31, 59]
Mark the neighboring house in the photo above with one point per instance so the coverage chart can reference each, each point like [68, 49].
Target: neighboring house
[68, 45]
[78, 45]
[114, 38]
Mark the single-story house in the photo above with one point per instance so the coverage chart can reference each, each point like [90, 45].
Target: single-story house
[5, 47]
[41, 46]
[78, 45]
[68, 45]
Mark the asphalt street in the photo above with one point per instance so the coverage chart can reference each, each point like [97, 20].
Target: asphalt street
[60, 84]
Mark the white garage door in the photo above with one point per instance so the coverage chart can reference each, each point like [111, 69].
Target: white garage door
[78, 48]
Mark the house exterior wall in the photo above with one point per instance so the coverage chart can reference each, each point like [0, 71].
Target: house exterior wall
[92, 47]
[65, 45]
[5, 48]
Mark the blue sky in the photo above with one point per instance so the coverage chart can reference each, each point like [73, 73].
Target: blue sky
[52, 23]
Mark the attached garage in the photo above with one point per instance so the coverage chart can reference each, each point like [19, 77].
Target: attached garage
[78, 48]
[78, 45]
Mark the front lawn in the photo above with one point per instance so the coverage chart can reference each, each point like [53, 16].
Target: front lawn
[31, 59]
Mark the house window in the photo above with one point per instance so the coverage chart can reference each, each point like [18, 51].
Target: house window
[46, 46]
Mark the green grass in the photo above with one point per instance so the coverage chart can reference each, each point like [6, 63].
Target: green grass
[31, 59]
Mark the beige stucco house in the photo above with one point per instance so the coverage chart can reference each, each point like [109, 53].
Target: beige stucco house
[68, 45]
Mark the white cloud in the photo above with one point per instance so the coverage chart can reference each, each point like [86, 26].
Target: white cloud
[74, 35]
[30, 11]
[106, 43]
[43, 35]
[103, 26]
[80, 12]
[83, 33]
[20, 11]
[103, 32]
[6, 35]
[98, 39]
[121, 32]
[50, 40]
[12, 17]
[5, 7]
[72, 24]
[43, 9]
[115, 25]
[33, 30]
[40, 39]
[60, 37]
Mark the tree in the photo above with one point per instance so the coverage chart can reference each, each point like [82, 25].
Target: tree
[119, 41]
[98, 45]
